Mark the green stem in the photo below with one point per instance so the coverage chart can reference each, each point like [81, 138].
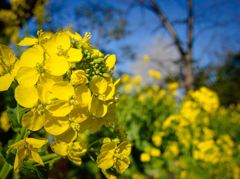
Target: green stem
[49, 157]
[46, 158]
[5, 170]
[21, 134]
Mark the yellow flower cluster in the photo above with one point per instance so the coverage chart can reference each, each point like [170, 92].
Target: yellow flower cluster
[184, 136]
[66, 87]
[206, 98]
[114, 154]
[148, 153]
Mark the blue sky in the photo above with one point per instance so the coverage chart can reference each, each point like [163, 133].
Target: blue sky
[144, 26]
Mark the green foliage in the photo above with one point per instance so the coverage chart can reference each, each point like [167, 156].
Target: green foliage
[176, 136]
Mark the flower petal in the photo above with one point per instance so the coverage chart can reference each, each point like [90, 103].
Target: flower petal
[98, 84]
[110, 62]
[36, 157]
[56, 125]
[57, 65]
[60, 148]
[36, 143]
[27, 76]
[97, 108]
[32, 56]
[62, 90]
[74, 55]
[33, 121]
[28, 41]
[68, 136]
[26, 96]
[59, 108]
[6, 81]
[83, 95]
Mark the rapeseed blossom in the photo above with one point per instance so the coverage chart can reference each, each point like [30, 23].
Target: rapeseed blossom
[64, 89]
[27, 148]
[114, 154]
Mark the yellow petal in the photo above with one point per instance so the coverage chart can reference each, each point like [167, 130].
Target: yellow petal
[57, 65]
[32, 56]
[33, 121]
[36, 143]
[97, 108]
[20, 156]
[62, 90]
[57, 43]
[109, 93]
[56, 125]
[44, 90]
[110, 62]
[83, 95]
[36, 157]
[74, 55]
[105, 159]
[122, 164]
[79, 114]
[28, 41]
[91, 124]
[125, 148]
[27, 76]
[26, 96]
[108, 146]
[79, 77]
[60, 148]
[59, 108]
[6, 81]
[75, 36]
[18, 145]
[98, 85]
[68, 136]
[7, 56]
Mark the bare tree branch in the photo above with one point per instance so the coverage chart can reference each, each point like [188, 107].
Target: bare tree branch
[168, 26]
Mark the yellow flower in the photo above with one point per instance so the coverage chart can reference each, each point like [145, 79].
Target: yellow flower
[137, 80]
[154, 152]
[172, 150]
[173, 86]
[125, 78]
[72, 150]
[145, 157]
[207, 151]
[190, 110]
[27, 148]
[114, 155]
[4, 121]
[110, 62]
[79, 77]
[154, 74]
[8, 67]
[103, 93]
[146, 58]
[157, 139]
[31, 66]
[206, 98]
[59, 50]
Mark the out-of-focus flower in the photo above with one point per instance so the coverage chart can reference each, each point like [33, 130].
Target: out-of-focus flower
[114, 154]
[4, 121]
[154, 74]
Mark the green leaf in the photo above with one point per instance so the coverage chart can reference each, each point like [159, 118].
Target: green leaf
[5, 167]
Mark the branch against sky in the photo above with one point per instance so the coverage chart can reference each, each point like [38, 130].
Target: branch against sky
[130, 26]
